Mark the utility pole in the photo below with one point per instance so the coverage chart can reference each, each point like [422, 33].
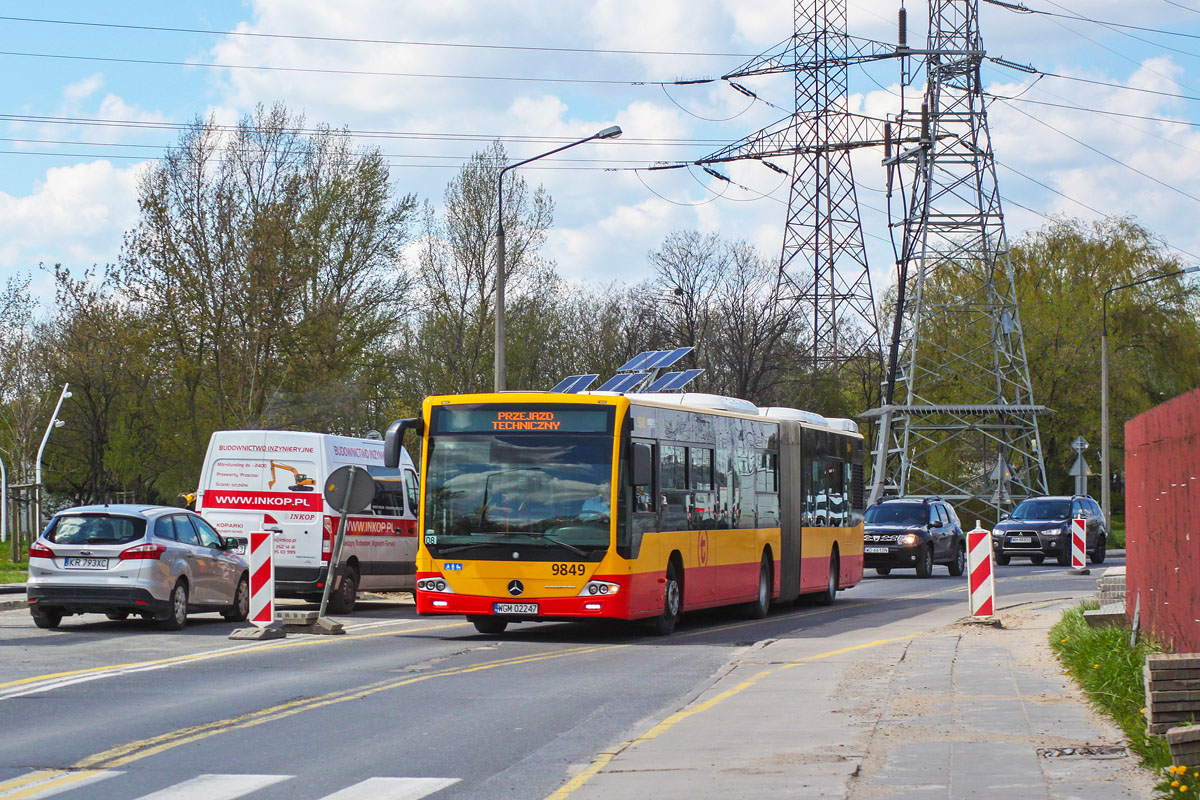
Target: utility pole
[959, 418]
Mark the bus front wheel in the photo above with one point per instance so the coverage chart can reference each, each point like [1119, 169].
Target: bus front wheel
[664, 623]
[489, 625]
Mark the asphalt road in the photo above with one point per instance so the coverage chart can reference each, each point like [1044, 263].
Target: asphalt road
[104, 710]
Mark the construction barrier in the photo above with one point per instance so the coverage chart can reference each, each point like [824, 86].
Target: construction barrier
[262, 578]
[981, 585]
[1078, 543]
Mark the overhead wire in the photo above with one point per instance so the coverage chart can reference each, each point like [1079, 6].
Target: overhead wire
[685, 110]
[357, 72]
[1076, 16]
[363, 40]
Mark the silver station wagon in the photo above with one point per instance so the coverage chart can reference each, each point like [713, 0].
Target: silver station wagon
[155, 561]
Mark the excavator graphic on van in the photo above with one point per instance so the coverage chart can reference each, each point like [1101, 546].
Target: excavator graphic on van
[303, 483]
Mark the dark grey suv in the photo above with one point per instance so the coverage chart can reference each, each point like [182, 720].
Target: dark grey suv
[1040, 527]
[913, 532]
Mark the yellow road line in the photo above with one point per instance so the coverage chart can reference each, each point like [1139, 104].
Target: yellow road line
[314, 640]
[604, 759]
[66, 779]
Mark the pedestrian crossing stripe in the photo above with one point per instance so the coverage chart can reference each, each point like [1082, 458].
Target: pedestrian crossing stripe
[49, 783]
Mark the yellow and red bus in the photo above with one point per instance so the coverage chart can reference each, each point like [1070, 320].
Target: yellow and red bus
[539, 506]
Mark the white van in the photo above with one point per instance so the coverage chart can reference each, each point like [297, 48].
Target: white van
[273, 480]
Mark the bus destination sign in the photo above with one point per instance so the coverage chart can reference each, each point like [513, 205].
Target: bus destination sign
[526, 419]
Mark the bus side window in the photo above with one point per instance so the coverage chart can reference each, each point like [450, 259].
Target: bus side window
[674, 498]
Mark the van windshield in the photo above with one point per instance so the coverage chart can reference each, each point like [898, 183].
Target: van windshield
[96, 529]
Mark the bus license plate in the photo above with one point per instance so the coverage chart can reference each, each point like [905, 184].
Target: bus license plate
[515, 608]
[875, 550]
[1021, 539]
[85, 563]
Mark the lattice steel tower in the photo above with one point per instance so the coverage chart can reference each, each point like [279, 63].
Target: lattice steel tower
[961, 421]
[823, 265]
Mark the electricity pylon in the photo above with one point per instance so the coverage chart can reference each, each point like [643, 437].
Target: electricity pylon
[958, 417]
[823, 264]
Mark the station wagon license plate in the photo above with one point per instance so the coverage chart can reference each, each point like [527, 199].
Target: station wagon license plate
[85, 563]
[515, 608]
[875, 549]
[1021, 539]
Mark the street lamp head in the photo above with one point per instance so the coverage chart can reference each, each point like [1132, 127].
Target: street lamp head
[1190, 270]
[609, 133]
[67, 395]
[58, 423]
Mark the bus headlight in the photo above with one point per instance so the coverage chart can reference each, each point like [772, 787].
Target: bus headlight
[599, 587]
[434, 585]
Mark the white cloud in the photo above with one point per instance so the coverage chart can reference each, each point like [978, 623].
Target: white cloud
[76, 216]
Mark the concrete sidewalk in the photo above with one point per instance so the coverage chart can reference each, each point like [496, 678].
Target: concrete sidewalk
[914, 710]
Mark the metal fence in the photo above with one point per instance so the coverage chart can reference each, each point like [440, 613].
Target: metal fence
[1162, 501]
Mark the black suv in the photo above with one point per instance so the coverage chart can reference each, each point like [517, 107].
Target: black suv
[914, 532]
[1041, 527]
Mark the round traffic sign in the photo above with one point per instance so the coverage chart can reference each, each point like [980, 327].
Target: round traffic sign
[344, 497]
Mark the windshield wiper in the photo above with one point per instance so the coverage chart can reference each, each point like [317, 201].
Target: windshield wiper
[549, 538]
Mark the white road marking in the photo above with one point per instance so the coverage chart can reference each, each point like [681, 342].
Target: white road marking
[392, 789]
[362, 626]
[47, 783]
[216, 787]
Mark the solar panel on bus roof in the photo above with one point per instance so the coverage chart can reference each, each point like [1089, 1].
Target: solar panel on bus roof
[623, 382]
[682, 379]
[574, 383]
[662, 382]
[636, 361]
[668, 357]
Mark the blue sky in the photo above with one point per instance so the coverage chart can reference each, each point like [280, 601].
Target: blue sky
[68, 196]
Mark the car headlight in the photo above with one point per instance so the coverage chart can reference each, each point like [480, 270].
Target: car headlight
[908, 538]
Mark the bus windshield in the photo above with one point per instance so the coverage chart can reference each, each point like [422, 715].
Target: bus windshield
[547, 491]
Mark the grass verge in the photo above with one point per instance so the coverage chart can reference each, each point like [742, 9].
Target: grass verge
[11, 572]
[1109, 670]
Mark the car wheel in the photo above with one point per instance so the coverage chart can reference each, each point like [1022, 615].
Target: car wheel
[1101, 550]
[1064, 557]
[925, 563]
[959, 565]
[241, 602]
[1038, 559]
[492, 626]
[46, 617]
[665, 622]
[117, 616]
[761, 604]
[883, 570]
[1002, 559]
[342, 601]
[827, 597]
[177, 615]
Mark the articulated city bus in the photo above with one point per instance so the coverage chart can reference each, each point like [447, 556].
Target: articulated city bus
[598, 505]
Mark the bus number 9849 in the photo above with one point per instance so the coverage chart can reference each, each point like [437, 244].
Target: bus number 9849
[567, 569]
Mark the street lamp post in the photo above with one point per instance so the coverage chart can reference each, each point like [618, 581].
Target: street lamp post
[55, 422]
[1105, 465]
[608, 133]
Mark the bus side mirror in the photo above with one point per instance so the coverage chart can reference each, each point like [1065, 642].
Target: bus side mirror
[393, 441]
[640, 468]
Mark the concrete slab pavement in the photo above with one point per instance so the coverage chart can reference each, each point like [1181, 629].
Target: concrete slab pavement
[917, 709]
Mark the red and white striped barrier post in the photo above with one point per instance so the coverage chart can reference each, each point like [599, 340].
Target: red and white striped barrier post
[1079, 547]
[262, 578]
[981, 585]
[262, 590]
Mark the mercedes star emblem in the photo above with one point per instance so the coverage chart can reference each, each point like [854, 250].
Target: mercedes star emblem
[515, 588]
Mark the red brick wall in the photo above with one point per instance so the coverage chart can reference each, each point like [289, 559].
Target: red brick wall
[1162, 520]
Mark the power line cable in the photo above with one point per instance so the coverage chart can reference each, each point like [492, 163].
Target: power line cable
[1109, 84]
[331, 71]
[1111, 158]
[353, 133]
[1104, 111]
[360, 40]
[1023, 9]
[1181, 5]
